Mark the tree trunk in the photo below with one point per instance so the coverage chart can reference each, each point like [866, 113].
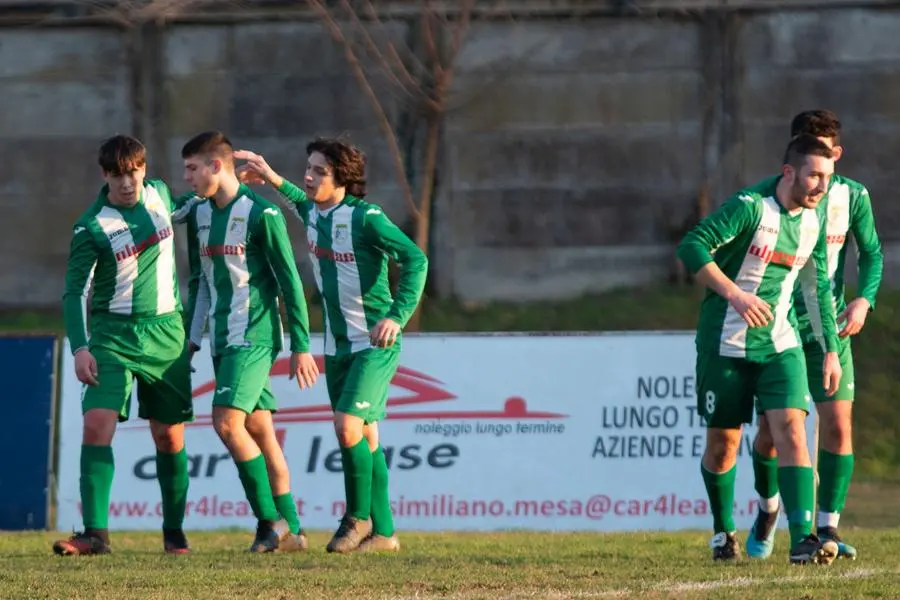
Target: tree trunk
[426, 196]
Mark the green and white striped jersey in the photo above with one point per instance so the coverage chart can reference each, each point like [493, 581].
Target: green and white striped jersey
[350, 245]
[240, 258]
[848, 209]
[764, 250]
[129, 256]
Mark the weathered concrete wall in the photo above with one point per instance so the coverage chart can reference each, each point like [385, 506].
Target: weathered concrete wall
[573, 153]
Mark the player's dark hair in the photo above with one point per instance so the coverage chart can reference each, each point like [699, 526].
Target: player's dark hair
[805, 145]
[819, 123]
[209, 144]
[121, 154]
[348, 162]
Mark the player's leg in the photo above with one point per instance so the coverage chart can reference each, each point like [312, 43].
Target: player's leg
[383, 537]
[164, 397]
[761, 537]
[781, 388]
[103, 406]
[291, 537]
[835, 450]
[361, 401]
[724, 401]
[355, 522]
[241, 375]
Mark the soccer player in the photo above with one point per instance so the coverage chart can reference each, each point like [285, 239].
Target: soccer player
[123, 244]
[848, 209]
[749, 253]
[241, 257]
[350, 241]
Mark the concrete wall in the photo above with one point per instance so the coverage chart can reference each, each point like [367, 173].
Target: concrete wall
[573, 153]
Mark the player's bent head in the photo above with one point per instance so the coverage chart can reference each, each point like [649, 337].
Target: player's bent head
[347, 162]
[804, 146]
[210, 147]
[120, 155]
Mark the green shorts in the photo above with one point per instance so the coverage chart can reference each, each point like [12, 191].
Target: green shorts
[358, 383]
[727, 387]
[815, 357]
[242, 378]
[151, 351]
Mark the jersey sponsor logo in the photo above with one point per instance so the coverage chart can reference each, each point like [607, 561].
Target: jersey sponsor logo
[136, 249]
[222, 250]
[767, 229]
[770, 255]
[836, 238]
[328, 254]
[117, 233]
[341, 232]
[238, 224]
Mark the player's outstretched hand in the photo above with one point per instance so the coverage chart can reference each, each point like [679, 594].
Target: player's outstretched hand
[86, 367]
[831, 369]
[752, 308]
[385, 333]
[854, 317]
[304, 368]
[257, 170]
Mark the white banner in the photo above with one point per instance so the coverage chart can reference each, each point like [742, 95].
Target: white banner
[556, 432]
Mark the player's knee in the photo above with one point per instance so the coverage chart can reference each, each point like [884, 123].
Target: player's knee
[168, 438]
[764, 445]
[721, 453]
[226, 427]
[836, 432]
[99, 427]
[348, 429]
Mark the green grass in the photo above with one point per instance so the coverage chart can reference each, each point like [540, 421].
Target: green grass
[433, 565]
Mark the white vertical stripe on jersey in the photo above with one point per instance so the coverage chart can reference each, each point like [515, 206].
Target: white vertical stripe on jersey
[111, 221]
[784, 335]
[749, 277]
[312, 237]
[84, 303]
[809, 277]
[236, 235]
[348, 280]
[204, 220]
[165, 262]
[837, 222]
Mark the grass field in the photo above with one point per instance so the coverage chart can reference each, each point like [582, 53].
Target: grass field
[460, 566]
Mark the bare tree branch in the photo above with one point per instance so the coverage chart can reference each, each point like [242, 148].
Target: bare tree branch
[409, 89]
[383, 121]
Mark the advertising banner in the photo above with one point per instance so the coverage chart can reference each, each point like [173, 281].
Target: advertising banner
[537, 432]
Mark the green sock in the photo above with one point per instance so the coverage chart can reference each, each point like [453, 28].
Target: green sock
[255, 480]
[797, 488]
[97, 468]
[835, 471]
[287, 508]
[357, 464]
[172, 473]
[765, 475]
[382, 517]
[720, 489]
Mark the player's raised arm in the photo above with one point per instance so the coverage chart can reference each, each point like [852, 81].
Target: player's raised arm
[257, 171]
[273, 236]
[385, 235]
[738, 216]
[83, 253]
